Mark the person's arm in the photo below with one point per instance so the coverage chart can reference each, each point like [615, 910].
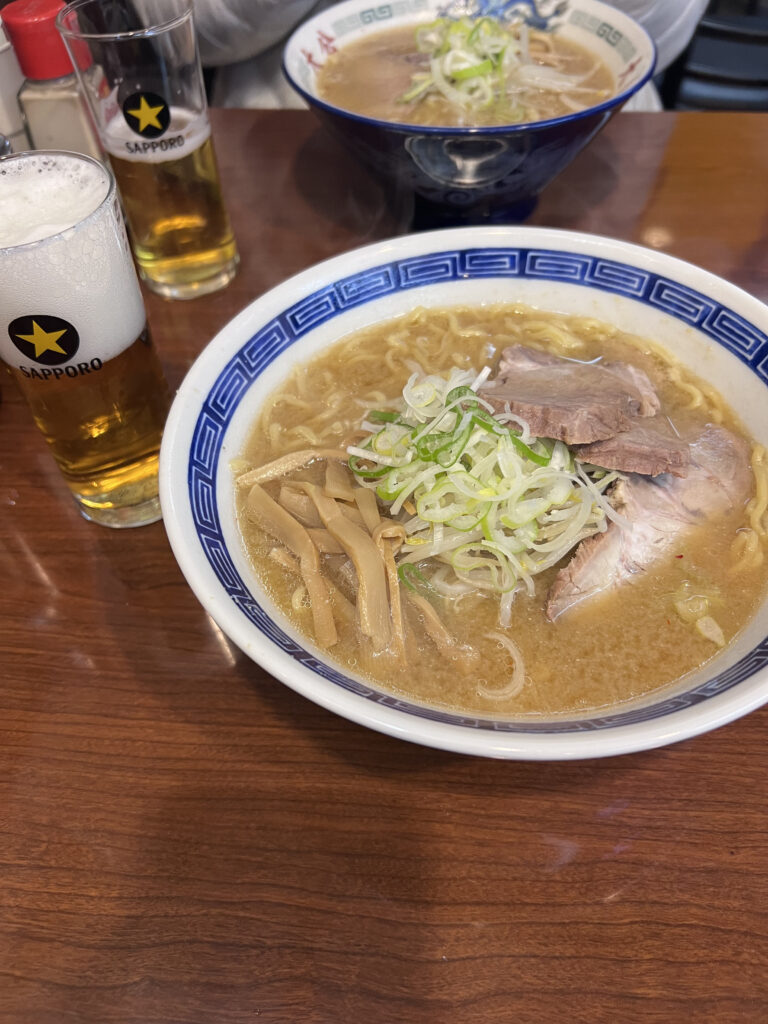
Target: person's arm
[234, 30]
[670, 23]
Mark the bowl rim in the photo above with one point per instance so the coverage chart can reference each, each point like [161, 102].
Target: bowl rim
[176, 456]
[467, 131]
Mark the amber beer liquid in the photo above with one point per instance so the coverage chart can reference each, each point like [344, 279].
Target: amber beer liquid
[74, 333]
[139, 68]
[180, 230]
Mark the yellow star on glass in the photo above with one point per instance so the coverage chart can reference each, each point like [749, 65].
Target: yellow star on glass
[146, 115]
[44, 341]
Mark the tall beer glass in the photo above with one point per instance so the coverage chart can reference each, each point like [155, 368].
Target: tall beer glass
[73, 331]
[148, 101]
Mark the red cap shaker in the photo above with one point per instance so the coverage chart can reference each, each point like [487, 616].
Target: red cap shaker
[40, 50]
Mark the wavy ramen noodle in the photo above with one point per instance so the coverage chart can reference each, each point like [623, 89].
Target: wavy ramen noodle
[334, 533]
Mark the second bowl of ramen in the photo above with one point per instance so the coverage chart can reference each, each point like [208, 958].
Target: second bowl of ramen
[473, 113]
[487, 489]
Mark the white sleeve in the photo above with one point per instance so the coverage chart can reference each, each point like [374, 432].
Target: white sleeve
[670, 23]
[233, 30]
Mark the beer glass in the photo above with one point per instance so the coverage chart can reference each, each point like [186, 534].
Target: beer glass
[73, 332]
[148, 100]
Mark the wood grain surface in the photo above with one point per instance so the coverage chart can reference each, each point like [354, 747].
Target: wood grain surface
[184, 839]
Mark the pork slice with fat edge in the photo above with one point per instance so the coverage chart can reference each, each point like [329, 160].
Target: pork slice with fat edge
[657, 512]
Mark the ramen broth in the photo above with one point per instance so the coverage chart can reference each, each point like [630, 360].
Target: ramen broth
[374, 75]
[607, 650]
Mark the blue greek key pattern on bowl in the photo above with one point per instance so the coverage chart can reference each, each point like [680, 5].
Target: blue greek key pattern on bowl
[690, 307]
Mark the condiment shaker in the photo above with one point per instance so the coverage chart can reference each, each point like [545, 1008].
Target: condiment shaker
[54, 111]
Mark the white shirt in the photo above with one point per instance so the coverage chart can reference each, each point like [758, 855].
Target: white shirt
[670, 23]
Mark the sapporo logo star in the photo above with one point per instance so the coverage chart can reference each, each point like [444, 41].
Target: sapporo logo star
[43, 341]
[48, 340]
[147, 114]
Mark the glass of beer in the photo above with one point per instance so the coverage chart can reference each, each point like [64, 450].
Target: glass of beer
[73, 331]
[145, 89]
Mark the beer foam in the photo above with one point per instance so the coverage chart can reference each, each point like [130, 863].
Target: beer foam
[81, 271]
[186, 133]
[44, 195]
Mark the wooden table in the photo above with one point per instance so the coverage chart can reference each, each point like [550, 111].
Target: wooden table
[183, 839]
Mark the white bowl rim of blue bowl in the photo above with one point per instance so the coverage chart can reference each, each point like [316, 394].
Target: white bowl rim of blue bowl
[715, 320]
[292, 50]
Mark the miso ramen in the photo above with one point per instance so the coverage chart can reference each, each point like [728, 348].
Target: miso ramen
[502, 511]
[464, 73]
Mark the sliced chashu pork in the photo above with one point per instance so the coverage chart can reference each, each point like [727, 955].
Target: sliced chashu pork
[569, 398]
[519, 358]
[657, 512]
[574, 402]
[650, 447]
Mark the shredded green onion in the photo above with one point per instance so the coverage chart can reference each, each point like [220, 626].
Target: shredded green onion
[469, 60]
[478, 62]
[380, 416]
[414, 579]
[494, 506]
[483, 68]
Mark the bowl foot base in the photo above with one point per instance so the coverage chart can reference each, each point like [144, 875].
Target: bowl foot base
[428, 214]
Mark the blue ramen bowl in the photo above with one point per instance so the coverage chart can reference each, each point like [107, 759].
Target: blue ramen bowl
[707, 323]
[463, 175]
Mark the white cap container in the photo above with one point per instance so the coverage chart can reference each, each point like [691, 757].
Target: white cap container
[11, 121]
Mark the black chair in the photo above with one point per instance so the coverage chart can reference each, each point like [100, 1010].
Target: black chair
[725, 67]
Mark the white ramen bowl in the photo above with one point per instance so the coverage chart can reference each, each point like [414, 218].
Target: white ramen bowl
[709, 324]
